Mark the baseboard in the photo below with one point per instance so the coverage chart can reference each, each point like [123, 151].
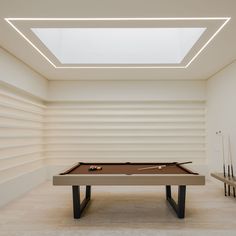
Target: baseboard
[16, 187]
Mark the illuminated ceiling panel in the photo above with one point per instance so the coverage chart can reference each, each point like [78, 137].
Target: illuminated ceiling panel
[119, 45]
[119, 42]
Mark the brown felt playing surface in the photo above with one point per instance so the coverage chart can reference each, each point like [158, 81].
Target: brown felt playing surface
[131, 168]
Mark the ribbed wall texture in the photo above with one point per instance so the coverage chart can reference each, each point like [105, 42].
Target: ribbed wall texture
[125, 131]
[21, 134]
[33, 134]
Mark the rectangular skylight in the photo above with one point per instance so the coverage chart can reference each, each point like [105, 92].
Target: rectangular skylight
[119, 45]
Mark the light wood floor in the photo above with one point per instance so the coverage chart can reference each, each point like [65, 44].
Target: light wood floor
[47, 210]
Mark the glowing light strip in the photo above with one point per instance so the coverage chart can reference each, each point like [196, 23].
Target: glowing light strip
[22, 35]
[120, 67]
[116, 19]
[211, 38]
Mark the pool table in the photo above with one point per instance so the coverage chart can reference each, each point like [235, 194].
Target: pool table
[167, 174]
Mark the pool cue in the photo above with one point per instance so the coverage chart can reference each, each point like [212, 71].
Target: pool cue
[231, 162]
[182, 163]
[223, 152]
[223, 157]
[152, 167]
[228, 173]
[161, 166]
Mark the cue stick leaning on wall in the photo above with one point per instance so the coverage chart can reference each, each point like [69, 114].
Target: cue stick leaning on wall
[228, 169]
[231, 161]
[223, 158]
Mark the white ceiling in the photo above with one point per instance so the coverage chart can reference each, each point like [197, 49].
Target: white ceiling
[220, 52]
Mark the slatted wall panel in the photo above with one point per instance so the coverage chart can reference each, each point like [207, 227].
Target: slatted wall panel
[21, 134]
[125, 131]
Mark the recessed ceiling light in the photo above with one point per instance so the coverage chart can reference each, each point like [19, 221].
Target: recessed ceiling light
[114, 47]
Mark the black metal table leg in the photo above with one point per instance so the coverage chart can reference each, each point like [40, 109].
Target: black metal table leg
[168, 192]
[179, 207]
[88, 192]
[181, 201]
[78, 207]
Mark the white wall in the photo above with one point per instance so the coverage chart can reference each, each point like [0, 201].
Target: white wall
[127, 90]
[221, 105]
[21, 143]
[125, 131]
[13, 72]
[125, 121]
[21, 128]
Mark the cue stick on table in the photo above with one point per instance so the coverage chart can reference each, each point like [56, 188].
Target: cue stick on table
[152, 167]
[161, 166]
[182, 163]
[231, 162]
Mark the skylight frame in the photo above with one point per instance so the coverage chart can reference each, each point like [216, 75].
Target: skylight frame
[226, 20]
